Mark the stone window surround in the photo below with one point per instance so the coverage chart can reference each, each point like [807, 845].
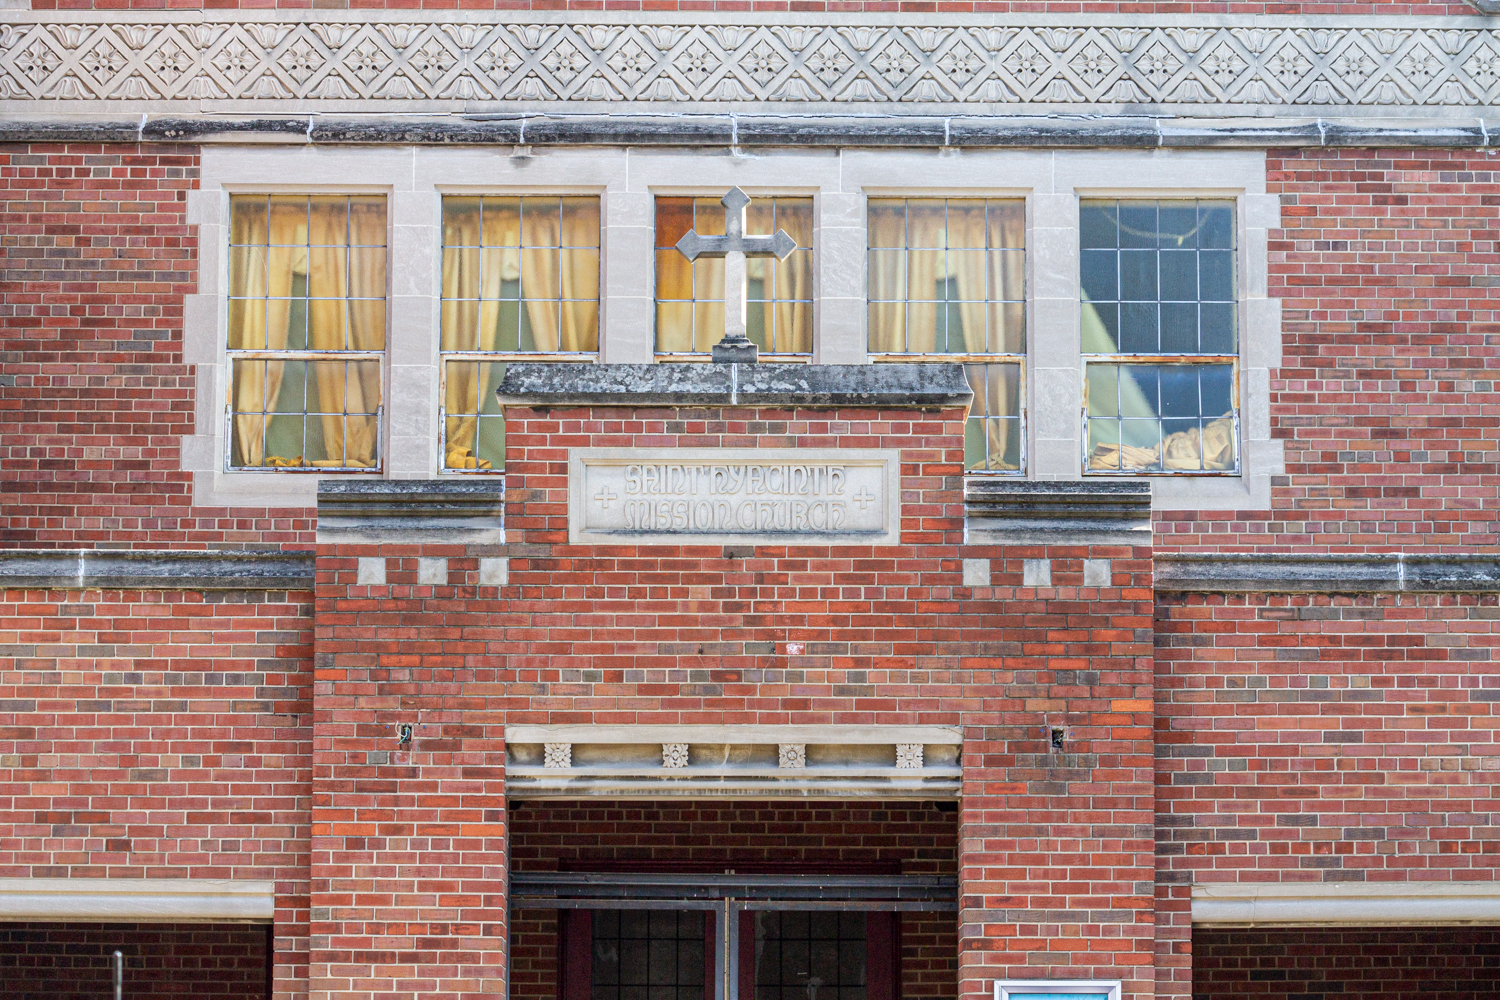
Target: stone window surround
[627, 180]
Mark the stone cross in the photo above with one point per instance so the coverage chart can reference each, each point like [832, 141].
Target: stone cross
[734, 246]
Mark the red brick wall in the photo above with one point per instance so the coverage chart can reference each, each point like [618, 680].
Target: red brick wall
[408, 846]
[94, 397]
[42, 961]
[1449, 963]
[1386, 396]
[914, 838]
[1057, 844]
[159, 735]
[1322, 739]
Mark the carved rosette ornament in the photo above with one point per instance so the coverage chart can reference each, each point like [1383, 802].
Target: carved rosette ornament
[557, 755]
[674, 755]
[791, 755]
[909, 755]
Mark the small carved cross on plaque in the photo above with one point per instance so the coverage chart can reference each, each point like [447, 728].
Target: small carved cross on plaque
[734, 246]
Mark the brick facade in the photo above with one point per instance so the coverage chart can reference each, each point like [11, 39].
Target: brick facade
[97, 257]
[1374, 964]
[40, 961]
[160, 734]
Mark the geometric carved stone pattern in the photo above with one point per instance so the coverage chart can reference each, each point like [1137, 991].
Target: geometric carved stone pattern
[1390, 65]
[909, 755]
[791, 755]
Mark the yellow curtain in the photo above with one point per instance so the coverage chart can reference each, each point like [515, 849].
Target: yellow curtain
[465, 277]
[520, 241]
[887, 274]
[348, 392]
[260, 314]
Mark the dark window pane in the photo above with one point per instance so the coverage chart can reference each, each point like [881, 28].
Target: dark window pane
[1216, 383]
[1100, 278]
[1097, 225]
[1138, 276]
[1138, 224]
[799, 956]
[1138, 330]
[1179, 391]
[1179, 328]
[1107, 316]
[1217, 328]
[1179, 225]
[1216, 275]
[1179, 276]
[1142, 385]
[1216, 225]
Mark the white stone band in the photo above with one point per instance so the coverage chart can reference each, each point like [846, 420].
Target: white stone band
[135, 899]
[1397, 66]
[1348, 903]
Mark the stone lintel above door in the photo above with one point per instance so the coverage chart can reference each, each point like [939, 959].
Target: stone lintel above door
[733, 761]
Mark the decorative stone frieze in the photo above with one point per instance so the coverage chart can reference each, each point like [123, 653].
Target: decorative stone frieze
[221, 61]
[895, 762]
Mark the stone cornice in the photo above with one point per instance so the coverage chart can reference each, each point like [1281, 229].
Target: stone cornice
[222, 62]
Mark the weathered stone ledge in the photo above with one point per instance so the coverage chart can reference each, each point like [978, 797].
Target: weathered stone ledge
[468, 510]
[1332, 574]
[885, 385]
[1090, 512]
[74, 569]
[103, 569]
[538, 131]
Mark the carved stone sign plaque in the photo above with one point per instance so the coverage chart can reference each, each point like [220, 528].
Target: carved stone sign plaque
[685, 496]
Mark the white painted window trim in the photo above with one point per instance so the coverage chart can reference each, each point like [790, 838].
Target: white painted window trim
[1007, 988]
[627, 182]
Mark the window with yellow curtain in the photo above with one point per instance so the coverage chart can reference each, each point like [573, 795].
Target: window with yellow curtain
[690, 296]
[306, 331]
[520, 283]
[947, 282]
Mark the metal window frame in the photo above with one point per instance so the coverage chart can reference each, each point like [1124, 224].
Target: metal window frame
[1181, 360]
[494, 357]
[504, 357]
[230, 413]
[1116, 358]
[231, 355]
[980, 359]
[689, 357]
[728, 895]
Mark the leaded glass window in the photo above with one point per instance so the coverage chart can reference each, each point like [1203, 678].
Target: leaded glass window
[1160, 336]
[690, 294]
[520, 283]
[649, 955]
[947, 282]
[307, 293]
